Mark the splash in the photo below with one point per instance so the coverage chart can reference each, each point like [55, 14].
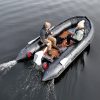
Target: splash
[51, 91]
[7, 65]
[31, 86]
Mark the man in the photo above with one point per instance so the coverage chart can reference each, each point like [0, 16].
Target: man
[79, 33]
[45, 35]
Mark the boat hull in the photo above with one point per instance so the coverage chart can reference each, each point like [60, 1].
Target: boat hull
[67, 57]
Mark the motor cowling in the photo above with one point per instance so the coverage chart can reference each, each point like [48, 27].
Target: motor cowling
[38, 57]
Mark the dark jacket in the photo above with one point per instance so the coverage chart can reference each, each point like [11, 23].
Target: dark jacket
[44, 34]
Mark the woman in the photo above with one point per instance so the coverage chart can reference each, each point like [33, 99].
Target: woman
[45, 35]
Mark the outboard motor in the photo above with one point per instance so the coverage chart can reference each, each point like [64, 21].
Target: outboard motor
[38, 59]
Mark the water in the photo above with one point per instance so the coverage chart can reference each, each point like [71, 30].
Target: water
[20, 22]
[8, 65]
[5, 67]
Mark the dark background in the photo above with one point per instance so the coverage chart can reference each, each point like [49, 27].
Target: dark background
[20, 22]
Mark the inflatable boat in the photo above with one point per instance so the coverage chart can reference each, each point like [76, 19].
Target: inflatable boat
[55, 63]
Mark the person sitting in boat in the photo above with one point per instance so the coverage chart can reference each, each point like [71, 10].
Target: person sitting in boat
[79, 33]
[45, 35]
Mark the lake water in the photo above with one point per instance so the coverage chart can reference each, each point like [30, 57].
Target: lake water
[20, 22]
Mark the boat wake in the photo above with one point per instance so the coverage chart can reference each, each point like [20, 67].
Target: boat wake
[7, 66]
[31, 86]
[51, 91]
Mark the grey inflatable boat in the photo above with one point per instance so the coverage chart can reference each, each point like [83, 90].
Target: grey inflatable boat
[55, 66]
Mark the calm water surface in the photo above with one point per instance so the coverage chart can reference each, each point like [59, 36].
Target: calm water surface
[21, 21]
